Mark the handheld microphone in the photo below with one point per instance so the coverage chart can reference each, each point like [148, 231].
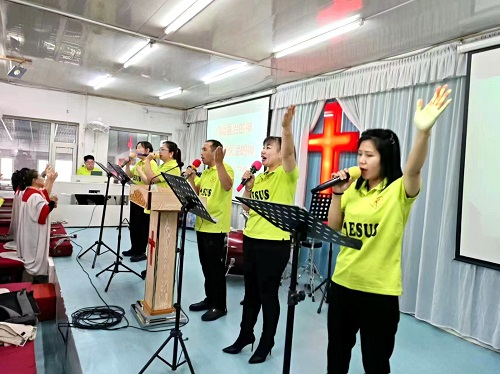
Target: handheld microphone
[156, 156]
[194, 166]
[353, 172]
[253, 169]
[130, 158]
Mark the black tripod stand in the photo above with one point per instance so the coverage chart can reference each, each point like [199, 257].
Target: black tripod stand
[99, 242]
[320, 204]
[190, 202]
[115, 266]
[301, 225]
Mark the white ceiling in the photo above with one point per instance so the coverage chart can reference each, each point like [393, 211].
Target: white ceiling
[73, 42]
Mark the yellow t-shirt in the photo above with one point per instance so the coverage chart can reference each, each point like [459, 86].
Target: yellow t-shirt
[82, 170]
[135, 174]
[170, 167]
[277, 186]
[378, 218]
[218, 201]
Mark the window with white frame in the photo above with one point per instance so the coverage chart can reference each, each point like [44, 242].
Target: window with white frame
[30, 143]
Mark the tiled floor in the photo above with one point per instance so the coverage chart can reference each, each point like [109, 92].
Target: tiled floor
[420, 347]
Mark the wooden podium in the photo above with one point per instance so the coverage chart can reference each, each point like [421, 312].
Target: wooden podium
[162, 246]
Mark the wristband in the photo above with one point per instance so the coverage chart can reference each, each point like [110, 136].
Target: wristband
[338, 193]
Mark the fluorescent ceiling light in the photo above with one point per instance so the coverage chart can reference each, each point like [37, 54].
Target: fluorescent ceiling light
[140, 54]
[174, 13]
[170, 93]
[479, 44]
[186, 13]
[319, 36]
[102, 81]
[225, 73]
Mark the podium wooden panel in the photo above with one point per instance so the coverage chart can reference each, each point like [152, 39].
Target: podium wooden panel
[162, 246]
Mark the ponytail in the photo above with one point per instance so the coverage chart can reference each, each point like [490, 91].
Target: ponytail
[172, 147]
[20, 179]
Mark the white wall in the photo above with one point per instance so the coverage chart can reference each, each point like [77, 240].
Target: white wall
[18, 101]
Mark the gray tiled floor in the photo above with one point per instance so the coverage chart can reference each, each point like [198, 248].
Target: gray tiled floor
[420, 348]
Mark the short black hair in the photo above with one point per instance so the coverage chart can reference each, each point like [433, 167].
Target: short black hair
[277, 140]
[271, 140]
[88, 157]
[215, 144]
[145, 145]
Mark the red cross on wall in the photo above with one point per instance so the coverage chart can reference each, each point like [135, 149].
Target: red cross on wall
[152, 245]
[332, 142]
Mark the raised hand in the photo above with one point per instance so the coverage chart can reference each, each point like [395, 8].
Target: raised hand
[287, 118]
[51, 174]
[219, 155]
[426, 117]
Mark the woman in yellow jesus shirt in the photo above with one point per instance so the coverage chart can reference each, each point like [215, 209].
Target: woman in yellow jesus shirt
[266, 248]
[366, 283]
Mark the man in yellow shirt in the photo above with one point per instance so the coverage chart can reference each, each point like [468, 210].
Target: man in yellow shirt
[215, 184]
[87, 169]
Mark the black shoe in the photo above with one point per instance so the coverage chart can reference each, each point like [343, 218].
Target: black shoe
[261, 353]
[213, 314]
[240, 343]
[129, 253]
[143, 274]
[198, 307]
[137, 258]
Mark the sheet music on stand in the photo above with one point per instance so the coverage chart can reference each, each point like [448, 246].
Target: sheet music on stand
[292, 218]
[186, 195]
[300, 224]
[120, 174]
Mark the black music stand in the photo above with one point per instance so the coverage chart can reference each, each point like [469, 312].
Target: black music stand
[99, 242]
[115, 266]
[320, 204]
[301, 225]
[190, 202]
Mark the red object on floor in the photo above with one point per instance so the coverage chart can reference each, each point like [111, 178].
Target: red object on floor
[10, 270]
[235, 251]
[45, 297]
[18, 360]
[57, 246]
[17, 286]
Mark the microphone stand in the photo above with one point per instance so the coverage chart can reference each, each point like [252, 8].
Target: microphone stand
[100, 242]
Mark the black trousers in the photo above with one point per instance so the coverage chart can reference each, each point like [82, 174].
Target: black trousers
[375, 316]
[212, 252]
[263, 264]
[139, 229]
[84, 199]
